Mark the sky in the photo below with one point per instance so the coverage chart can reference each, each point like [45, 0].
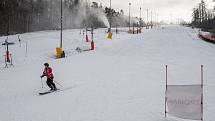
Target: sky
[166, 10]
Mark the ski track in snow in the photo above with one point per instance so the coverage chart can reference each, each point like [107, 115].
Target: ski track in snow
[121, 80]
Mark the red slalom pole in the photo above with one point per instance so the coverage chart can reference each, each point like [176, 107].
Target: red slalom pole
[87, 39]
[7, 56]
[92, 42]
[92, 45]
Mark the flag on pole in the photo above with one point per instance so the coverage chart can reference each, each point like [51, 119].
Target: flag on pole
[184, 101]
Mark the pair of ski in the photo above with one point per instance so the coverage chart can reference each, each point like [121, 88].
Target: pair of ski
[47, 92]
[58, 90]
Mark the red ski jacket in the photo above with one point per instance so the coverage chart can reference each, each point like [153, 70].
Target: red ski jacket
[48, 73]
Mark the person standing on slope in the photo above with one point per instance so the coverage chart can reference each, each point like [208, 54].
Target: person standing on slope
[48, 73]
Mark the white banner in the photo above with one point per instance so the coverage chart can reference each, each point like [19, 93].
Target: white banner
[184, 101]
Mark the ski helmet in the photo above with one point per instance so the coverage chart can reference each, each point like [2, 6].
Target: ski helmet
[46, 64]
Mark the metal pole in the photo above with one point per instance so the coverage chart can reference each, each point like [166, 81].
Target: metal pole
[147, 18]
[140, 13]
[129, 16]
[11, 60]
[116, 29]
[151, 19]
[61, 26]
[58, 83]
[7, 46]
[7, 51]
[202, 92]
[140, 21]
[92, 33]
[42, 82]
[5, 61]
[19, 41]
[157, 17]
[137, 27]
[110, 16]
[166, 91]
[202, 76]
[26, 49]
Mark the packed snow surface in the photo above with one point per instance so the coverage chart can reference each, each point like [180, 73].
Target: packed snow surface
[121, 80]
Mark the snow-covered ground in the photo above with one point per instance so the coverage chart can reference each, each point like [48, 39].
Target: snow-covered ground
[121, 80]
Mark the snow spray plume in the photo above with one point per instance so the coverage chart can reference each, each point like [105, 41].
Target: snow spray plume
[99, 13]
[36, 15]
[76, 14]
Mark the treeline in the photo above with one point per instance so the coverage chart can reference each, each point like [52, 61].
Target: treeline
[19, 16]
[25, 15]
[203, 17]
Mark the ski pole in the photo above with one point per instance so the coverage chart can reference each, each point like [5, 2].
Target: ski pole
[42, 82]
[58, 83]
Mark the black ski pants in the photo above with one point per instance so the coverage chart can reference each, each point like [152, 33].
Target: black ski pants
[50, 83]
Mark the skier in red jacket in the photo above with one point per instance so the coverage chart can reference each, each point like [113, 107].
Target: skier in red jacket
[48, 73]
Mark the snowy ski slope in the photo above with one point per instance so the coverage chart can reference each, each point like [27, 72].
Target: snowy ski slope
[121, 80]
